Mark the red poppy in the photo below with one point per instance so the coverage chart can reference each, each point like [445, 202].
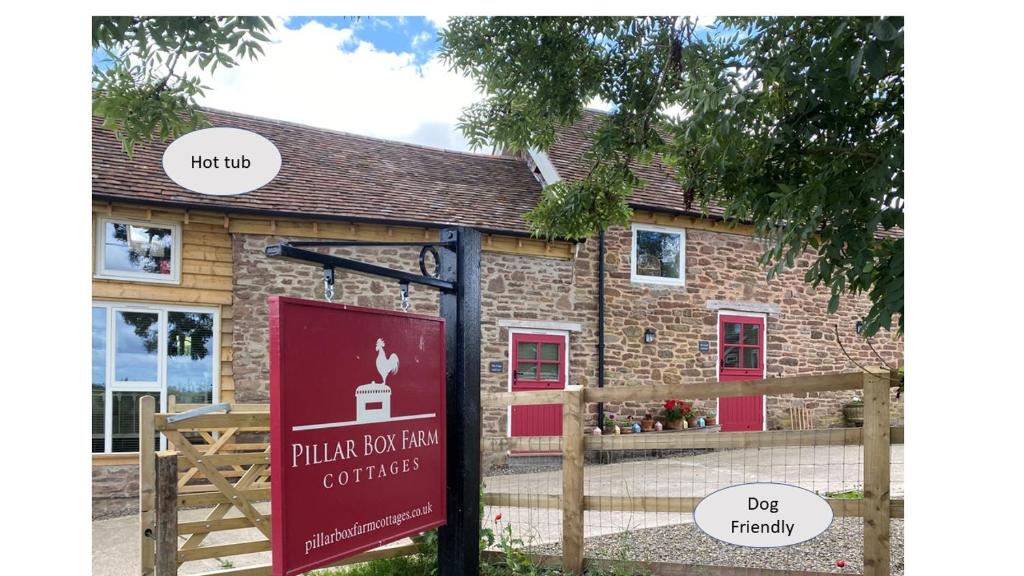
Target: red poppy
[497, 517]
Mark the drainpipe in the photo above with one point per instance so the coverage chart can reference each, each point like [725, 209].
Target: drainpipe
[600, 323]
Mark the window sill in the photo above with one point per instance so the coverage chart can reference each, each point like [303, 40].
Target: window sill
[139, 279]
[115, 459]
[657, 281]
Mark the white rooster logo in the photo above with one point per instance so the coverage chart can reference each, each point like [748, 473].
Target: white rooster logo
[385, 364]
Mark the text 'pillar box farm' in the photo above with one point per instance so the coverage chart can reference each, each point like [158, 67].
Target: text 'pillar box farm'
[357, 430]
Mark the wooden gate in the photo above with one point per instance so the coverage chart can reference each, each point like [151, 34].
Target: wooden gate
[217, 461]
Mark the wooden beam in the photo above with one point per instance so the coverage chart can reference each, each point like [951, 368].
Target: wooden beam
[876, 474]
[572, 481]
[521, 398]
[166, 513]
[770, 386]
[147, 486]
[252, 420]
[651, 504]
[522, 500]
[223, 550]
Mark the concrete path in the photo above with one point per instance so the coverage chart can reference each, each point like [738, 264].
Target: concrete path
[115, 544]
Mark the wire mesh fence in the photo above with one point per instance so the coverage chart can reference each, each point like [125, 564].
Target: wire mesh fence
[640, 491]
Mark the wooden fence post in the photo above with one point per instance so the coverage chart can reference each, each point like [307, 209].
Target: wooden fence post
[166, 513]
[876, 474]
[147, 559]
[572, 480]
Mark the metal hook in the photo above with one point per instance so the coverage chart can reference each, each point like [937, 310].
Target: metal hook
[328, 283]
[404, 289]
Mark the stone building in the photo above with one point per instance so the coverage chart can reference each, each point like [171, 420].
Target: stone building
[180, 285]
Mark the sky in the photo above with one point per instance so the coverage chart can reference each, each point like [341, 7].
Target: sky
[373, 76]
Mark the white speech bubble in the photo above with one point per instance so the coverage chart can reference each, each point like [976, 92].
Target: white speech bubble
[799, 515]
[222, 161]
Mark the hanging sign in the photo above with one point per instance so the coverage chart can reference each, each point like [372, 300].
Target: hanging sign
[357, 430]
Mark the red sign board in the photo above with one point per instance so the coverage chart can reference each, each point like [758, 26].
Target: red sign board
[357, 430]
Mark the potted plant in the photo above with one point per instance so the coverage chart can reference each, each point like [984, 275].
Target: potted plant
[710, 419]
[609, 424]
[626, 426]
[647, 424]
[676, 412]
[692, 419]
[853, 411]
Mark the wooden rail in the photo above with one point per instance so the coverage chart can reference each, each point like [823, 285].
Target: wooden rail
[693, 440]
[680, 504]
[770, 386]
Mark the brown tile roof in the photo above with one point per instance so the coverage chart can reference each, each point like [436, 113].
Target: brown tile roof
[337, 175]
[661, 191]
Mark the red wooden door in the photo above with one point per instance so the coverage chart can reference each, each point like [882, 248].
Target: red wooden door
[741, 357]
[538, 363]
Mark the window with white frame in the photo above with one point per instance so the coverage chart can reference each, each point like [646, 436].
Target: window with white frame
[141, 251]
[659, 255]
[140, 350]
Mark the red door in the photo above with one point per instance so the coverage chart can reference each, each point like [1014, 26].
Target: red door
[741, 357]
[538, 363]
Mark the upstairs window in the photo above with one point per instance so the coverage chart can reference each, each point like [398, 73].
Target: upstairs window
[142, 251]
[659, 255]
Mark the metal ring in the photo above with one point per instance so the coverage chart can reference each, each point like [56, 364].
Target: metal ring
[423, 262]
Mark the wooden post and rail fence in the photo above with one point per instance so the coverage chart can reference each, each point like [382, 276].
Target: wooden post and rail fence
[221, 460]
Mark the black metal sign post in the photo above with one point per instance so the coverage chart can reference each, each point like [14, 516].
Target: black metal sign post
[457, 276]
[458, 549]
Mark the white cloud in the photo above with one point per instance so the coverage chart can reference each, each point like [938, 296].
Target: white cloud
[306, 77]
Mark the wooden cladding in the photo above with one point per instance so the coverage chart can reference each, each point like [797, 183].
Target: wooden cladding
[330, 230]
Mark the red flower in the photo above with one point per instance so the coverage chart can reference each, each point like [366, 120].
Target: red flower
[497, 516]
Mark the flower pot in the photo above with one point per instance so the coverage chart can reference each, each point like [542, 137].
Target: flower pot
[854, 413]
[626, 429]
[692, 422]
[674, 424]
[710, 420]
[647, 424]
[609, 429]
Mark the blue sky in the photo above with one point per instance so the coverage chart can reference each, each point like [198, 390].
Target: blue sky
[410, 34]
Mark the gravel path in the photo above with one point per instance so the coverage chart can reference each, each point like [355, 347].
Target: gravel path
[686, 544]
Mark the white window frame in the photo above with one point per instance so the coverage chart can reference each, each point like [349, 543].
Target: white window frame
[101, 265]
[642, 279]
[161, 385]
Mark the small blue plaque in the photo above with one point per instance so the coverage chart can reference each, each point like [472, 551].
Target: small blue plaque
[703, 345]
[497, 367]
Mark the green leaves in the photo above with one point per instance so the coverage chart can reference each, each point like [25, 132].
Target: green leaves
[144, 93]
[794, 124]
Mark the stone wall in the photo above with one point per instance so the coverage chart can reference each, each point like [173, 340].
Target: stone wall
[721, 271]
[723, 268]
[258, 277]
[115, 490]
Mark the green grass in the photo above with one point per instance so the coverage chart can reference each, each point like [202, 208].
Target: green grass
[854, 494]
